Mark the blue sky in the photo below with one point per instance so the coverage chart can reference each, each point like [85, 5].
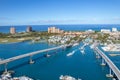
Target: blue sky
[44, 12]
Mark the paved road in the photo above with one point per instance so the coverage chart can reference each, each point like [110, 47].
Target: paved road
[29, 54]
[109, 62]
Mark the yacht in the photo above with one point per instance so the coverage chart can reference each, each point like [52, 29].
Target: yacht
[71, 53]
[82, 51]
[69, 46]
[81, 48]
[92, 46]
[6, 76]
[75, 44]
[66, 77]
[22, 78]
[47, 55]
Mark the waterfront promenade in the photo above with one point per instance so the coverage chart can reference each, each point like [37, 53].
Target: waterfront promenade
[111, 65]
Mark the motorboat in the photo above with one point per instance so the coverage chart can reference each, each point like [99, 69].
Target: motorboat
[66, 77]
[71, 53]
[47, 55]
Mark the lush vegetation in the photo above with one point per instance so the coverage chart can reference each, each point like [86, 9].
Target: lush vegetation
[102, 37]
[4, 35]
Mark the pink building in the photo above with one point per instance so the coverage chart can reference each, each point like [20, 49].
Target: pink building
[12, 30]
[54, 30]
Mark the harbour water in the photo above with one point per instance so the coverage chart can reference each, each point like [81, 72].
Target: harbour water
[78, 65]
[84, 66]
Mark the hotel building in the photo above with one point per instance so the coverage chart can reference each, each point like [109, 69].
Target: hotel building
[29, 29]
[54, 30]
[12, 30]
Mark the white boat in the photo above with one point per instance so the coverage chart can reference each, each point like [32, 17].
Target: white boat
[82, 48]
[47, 55]
[82, 51]
[92, 46]
[7, 76]
[66, 77]
[75, 44]
[71, 53]
[22, 78]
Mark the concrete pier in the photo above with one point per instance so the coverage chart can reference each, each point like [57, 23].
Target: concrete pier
[31, 61]
[110, 74]
[103, 62]
[5, 66]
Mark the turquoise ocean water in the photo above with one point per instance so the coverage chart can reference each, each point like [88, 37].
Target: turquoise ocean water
[84, 66]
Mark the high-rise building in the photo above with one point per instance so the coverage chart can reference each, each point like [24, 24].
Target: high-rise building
[29, 29]
[12, 30]
[54, 30]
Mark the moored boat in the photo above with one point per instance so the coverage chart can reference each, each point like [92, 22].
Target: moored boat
[71, 53]
[82, 51]
[66, 77]
[47, 55]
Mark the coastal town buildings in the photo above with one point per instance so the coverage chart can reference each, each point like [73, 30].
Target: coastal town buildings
[109, 31]
[73, 33]
[54, 30]
[90, 31]
[105, 30]
[12, 30]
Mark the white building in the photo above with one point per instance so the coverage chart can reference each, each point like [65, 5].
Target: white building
[90, 31]
[114, 30]
[54, 30]
[105, 30]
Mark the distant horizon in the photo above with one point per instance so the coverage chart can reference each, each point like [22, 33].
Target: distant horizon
[54, 24]
[51, 12]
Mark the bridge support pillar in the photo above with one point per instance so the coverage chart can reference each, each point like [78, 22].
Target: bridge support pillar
[63, 48]
[5, 66]
[103, 62]
[56, 51]
[110, 74]
[97, 56]
[31, 61]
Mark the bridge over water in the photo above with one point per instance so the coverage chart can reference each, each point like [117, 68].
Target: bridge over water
[111, 65]
[5, 61]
